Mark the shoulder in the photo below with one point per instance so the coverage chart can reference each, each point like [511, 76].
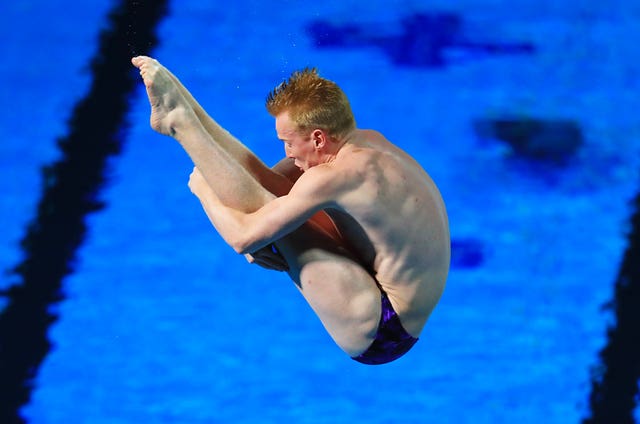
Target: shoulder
[374, 138]
[327, 181]
[325, 175]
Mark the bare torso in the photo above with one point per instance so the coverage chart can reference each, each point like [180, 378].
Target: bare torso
[396, 223]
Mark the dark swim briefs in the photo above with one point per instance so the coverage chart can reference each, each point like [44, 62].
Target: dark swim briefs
[392, 340]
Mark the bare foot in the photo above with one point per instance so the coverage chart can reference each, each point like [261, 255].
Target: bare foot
[185, 93]
[169, 109]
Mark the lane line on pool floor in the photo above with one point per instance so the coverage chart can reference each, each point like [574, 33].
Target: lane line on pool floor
[71, 188]
[616, 379]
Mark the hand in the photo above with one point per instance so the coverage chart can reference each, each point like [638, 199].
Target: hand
[269, 258]
[197, 183]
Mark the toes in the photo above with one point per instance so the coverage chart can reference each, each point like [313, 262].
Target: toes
[139, 61]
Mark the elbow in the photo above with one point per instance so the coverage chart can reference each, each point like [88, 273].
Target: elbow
[238, 246]
[242, 250]
[241, 245]
[246, 238]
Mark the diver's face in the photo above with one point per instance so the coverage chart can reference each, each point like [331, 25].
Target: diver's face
[298, 145]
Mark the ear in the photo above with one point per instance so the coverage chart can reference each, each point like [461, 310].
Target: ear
[319, 138]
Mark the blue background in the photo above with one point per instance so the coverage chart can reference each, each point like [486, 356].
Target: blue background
[163, 323]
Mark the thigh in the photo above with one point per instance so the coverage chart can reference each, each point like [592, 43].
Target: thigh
[341, 292]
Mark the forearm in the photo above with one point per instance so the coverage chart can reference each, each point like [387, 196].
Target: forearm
[232, 225]
[249, 230]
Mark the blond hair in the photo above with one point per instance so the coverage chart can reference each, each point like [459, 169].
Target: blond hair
[312, 102]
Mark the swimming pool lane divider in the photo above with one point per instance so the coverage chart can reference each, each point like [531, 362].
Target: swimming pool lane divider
[615, 389]
[71, 188]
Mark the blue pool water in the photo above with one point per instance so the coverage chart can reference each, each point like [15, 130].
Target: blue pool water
[163, 323]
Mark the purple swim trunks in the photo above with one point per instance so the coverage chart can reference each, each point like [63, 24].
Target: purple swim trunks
[392, 340]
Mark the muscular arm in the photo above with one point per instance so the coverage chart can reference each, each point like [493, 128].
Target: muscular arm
[248, 232]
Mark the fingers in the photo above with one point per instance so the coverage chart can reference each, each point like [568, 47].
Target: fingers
[193, 180]
[195, 173]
